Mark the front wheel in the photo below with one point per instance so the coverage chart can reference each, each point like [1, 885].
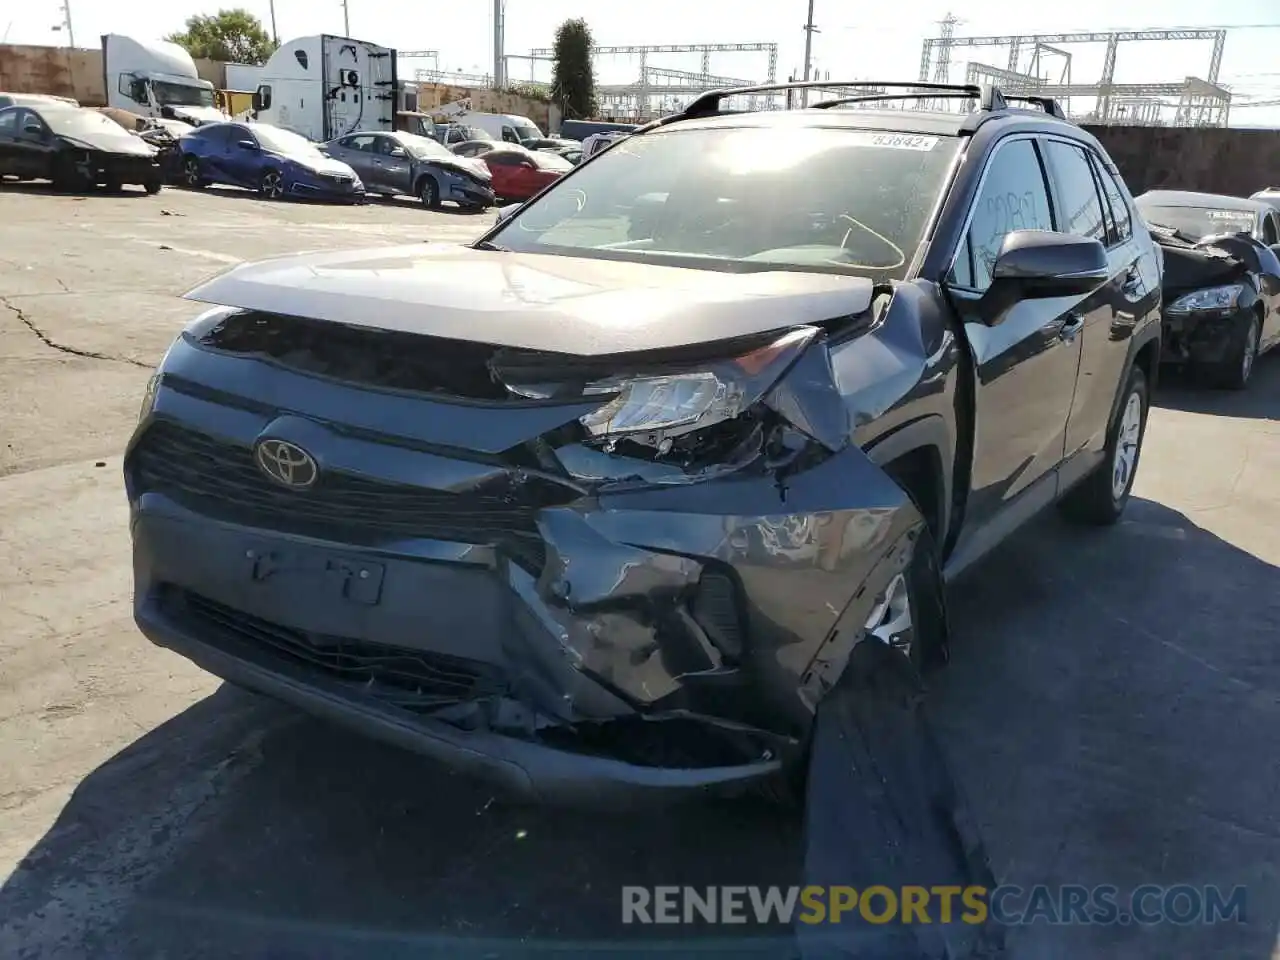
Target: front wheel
[153, 186]
[191, 174]
[1234, 372]
[68, 177]
[1101, 497]
[272, 185]
[429, 193]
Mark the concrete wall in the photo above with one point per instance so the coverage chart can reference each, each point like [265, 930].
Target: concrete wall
[56, 70]
[431, 95]
[1213, 160]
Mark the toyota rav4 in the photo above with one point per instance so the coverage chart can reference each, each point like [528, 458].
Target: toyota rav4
[610, 498]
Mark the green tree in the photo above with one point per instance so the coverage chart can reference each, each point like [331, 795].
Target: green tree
[573, 84]
[233, 36]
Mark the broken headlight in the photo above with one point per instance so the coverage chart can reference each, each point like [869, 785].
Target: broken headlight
[1221, 300]
[654, 409]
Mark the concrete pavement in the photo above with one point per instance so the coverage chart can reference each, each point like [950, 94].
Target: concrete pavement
[1110, 710]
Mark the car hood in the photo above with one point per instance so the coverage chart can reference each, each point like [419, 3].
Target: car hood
[468, 165]
[571, 305]
[123, 143]
[319, 164]
[196, 115]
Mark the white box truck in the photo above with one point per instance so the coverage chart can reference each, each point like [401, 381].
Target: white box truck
[324, 87]
[156, 78]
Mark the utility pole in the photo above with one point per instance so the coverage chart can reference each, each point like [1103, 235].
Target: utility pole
[346, 20]
[275, 37]
[498, 45]
[71, 34]
[809, 31]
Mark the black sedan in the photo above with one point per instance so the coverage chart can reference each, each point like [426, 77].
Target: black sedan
[1221, 281]
[74, 147]
[403, 164]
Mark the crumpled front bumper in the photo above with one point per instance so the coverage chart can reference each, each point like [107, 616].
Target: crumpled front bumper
[646, 638]
[1200, 338]
[319, 189]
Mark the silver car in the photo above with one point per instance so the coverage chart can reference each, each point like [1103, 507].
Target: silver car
[403, 164]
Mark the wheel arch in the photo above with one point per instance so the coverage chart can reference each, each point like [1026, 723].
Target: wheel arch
[918, 456]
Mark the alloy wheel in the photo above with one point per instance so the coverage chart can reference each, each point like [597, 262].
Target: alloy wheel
[891, 619]
[1125, 458]
[272, 185]
[193, 172]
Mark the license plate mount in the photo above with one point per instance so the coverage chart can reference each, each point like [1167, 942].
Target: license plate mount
[353, 579]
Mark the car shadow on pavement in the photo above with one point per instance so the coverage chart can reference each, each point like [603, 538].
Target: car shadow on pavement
[1109, 714]
[1178, 390]
[38, 187]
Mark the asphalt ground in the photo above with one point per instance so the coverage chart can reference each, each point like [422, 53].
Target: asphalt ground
[1110, 714]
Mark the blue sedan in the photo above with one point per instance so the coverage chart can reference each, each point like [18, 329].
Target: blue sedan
[275, 162]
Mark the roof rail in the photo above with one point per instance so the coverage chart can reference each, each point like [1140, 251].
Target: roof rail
[708, 104]
[1047, 104]
[989, 98]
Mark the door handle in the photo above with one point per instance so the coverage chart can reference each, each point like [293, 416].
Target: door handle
[1073, 325]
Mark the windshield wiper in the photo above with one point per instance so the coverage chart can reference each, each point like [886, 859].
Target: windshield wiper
[490, 245]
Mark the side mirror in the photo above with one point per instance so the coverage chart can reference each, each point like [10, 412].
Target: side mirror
[246, 145]
[398, 153]
[1039, 264]
[30, 129]
[262, 98]
[528, 164]
[508, 210]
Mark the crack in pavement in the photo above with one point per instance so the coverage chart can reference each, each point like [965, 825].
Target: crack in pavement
[63, 348]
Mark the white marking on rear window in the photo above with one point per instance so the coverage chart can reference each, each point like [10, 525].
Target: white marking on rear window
[903, 141]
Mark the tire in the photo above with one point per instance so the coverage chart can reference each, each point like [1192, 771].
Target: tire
[191, 175]
[1100, 498]
[908, 622]
[153, 186]
[429, 193]
[271, 186]
[67, 179]
[883, 808]
[1235, 372]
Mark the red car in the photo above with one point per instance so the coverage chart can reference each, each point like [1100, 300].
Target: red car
[519, 173]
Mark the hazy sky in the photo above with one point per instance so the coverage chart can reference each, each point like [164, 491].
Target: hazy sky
[858, 40]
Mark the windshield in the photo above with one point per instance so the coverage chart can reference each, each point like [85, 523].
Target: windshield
[1200, 222]
[424, 148]
[820, 199]
[181, 95]
[82, 123]
[282, 141]
[526, 130]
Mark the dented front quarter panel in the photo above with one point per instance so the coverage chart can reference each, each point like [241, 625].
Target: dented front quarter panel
[613, 575]
[810, 551]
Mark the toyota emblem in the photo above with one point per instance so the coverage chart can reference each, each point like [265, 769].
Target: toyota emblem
[286, 463]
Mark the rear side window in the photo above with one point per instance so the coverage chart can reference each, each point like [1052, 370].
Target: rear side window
[1079, 204]
[1013, 197]
[1119, 207]
[8, 122]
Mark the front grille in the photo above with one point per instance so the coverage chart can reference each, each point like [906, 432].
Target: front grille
[215, 476]
[414, 679]
[337, 178]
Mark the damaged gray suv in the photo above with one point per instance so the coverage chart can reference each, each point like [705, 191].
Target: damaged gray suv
[610, 499]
